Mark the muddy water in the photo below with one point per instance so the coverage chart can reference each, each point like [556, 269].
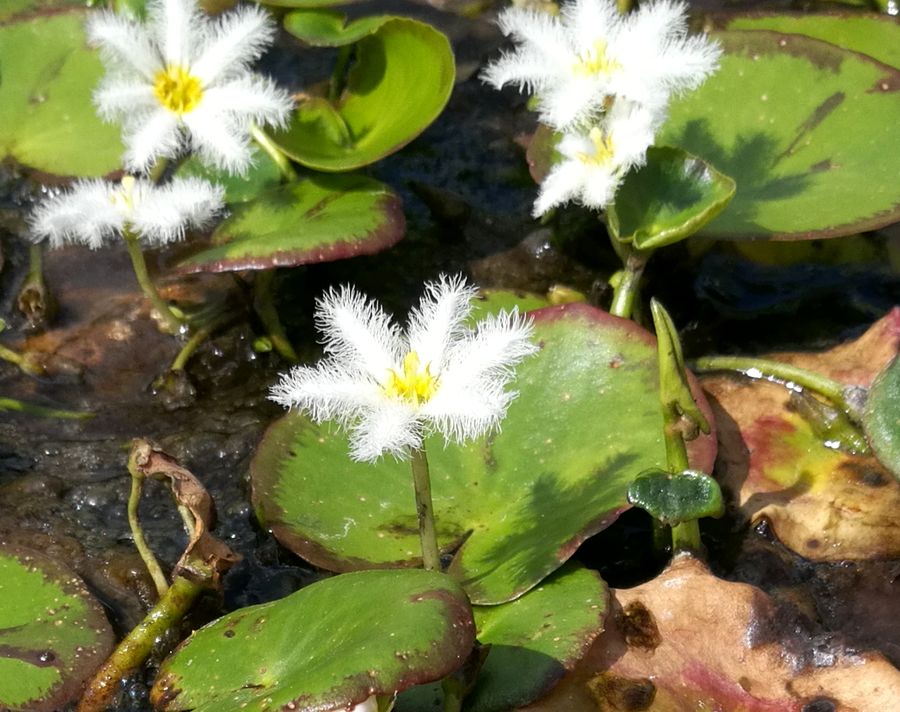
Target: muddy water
[63, 484]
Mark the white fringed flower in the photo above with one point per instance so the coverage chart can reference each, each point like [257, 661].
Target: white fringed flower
[394, 389]
[594, 161]
[181, 82]
[94, 211]
[577, 63]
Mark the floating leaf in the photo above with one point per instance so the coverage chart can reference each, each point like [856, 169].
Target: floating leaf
[668, 199]
[822, 502]
[53, 633]
[329, 28]
[400, 82]
[690, 641]
[263, 174]
[47, 120]
[882, 417]
[319, 219]
[328, 646]
[809, 137]
[307, 3]
[493, 301]
[516, 504]
[533, 641]
[875, 35]
[676, 498]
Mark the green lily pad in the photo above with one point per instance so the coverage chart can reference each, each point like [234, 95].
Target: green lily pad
[875, 35]
[302, 4]
[668, 199]
[263, 175]
[53, 634]
[329, 28]
[319, 219]
[882, 417]
[533, 641]
[328, 646]
[494, 301]
[513, 506]
[806, 129]
[47, 120]
[399, 84]
[676, 498]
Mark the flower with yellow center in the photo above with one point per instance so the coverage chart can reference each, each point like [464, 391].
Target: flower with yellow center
[591, 54]
[392, 389]
[181, 82]
[93, 212]
[593, 162]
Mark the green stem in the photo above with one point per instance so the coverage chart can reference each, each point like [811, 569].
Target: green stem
[143, 277]
[339, 73]
[135, 648]
[140, 543]
[158, 170]
[265, 308]
[431, 557]
[783, 373]
[624, 6]
[262, 139]
[453, 697]
[10, 404]
[685, 536]
[197, 338]
[12, 356]
[628, 287]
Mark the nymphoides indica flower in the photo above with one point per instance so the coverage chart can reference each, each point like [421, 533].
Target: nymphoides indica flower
[576, 63]
[93, 212]
[392, 389]
[181, 81]
[593, 160]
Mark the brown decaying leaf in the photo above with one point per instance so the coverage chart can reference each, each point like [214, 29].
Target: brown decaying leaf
[688, 641]
[825, 504]
[205, 558]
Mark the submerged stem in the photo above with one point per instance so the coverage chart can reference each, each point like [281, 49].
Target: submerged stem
[134, 499]
[7, 404]
[134, 649]
[272, 151]
[768, 369]
[143, 277]
[265, 308]
[431, 557]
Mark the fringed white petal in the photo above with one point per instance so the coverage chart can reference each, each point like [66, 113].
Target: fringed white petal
[392, 427]
[439, 319]
[540, 31]
[250, 98]
[123, 44]
[235, 40]
[568, 103]
[120, 97]
[588, 20]
[219, 139]
[562, 185]
[178, 28]
[166, 212]
[357, 333]
[86, 214]
[461, 415]
[527, 69]
[149, 137]
[327, 392]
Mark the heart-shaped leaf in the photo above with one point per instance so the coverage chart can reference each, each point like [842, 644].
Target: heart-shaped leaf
[400, 82]
[882, 417]
[806, 129]
[875, 35]
[668, 199]
[534, 640]
[319, 219]
[53, 633]
[328, 646]
[47, 120]
[676, 498]
[329, 28]
[516, 504]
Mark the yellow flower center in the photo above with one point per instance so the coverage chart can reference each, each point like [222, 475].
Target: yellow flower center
[177, 89]
[595, 61]
[415, 384]
[603, 148]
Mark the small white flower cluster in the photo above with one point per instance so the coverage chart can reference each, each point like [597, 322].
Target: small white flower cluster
[179, 82]
[604, 81]
[394, 389]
